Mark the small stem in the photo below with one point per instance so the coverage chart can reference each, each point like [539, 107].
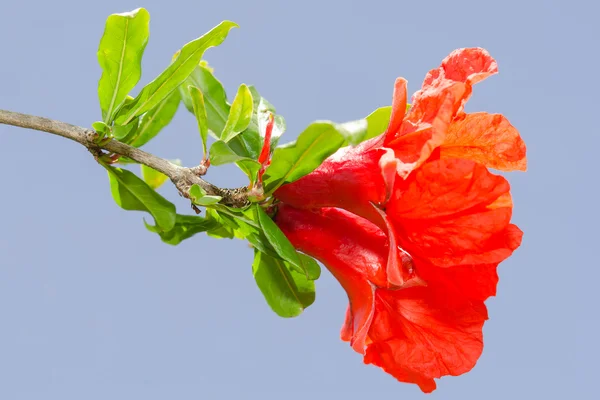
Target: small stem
[182, 177]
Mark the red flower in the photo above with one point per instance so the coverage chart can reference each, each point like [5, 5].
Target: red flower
[435, 127]
[413, 224]
[416, 333]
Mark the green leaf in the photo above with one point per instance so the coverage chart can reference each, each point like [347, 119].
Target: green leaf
[223, 230]
[287, 292]
[152, 177]
[249, 143]
[185, 227]
[207, 200]
[101, 128]
[240, 114]
[321, 139]
[221, 153]
[120, 57]
[199, 196]
[152, 122]
[278, 241]
[132, 193]
[123, 133]
[246, 145]
[215, 98]
[254, 225]
[261, 116]
[200, 113]
[175, 74]
[378, 121]
[196, 191]
[311, 266]
[245, 226]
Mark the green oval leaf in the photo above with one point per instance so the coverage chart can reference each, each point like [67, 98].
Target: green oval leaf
[175, 74]
[311, 266]
[152, 122]
[246, 145]
[185, 227]
[215, 98]
[240, 114]
[378, 121]
[199, 196]
[221, 153]
[279, 242]
[287, 292]
[132, 193]
[120, 57]
[101, 128]
[200, 113]
[124, 133]
[321, 139]
[224, 230]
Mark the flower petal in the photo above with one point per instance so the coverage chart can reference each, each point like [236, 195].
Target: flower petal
[445, 187]
[347, 330]
[469, 65]
[454, 212]
[488, 139]
[417, 336]
[353, 249]
[442, 97]
[465, 66]
[423, 130]
[342, 241]
[474, 282]
[400, 268]
[398, 107]
[352, 179]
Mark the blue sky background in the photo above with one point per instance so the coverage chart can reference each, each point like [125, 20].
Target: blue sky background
[92, 306]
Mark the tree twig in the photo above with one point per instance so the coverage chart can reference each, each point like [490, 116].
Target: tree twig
[183, 178]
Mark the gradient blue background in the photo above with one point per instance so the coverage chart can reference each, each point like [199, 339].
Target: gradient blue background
[94, 307]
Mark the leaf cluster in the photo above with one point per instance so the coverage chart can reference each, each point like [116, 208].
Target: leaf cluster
[236, 132]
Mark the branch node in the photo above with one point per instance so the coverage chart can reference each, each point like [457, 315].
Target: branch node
[201, 169]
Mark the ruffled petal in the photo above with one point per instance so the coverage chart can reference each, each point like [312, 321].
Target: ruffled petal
[415, 333]
[488, 139]
[445, 187]
[473, 282]
[469, 65]
[454, 212]
[423, 130]
[465, 66]
[478, 238]
[417, 336]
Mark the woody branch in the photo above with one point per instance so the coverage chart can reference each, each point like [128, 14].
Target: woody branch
[183, 178]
